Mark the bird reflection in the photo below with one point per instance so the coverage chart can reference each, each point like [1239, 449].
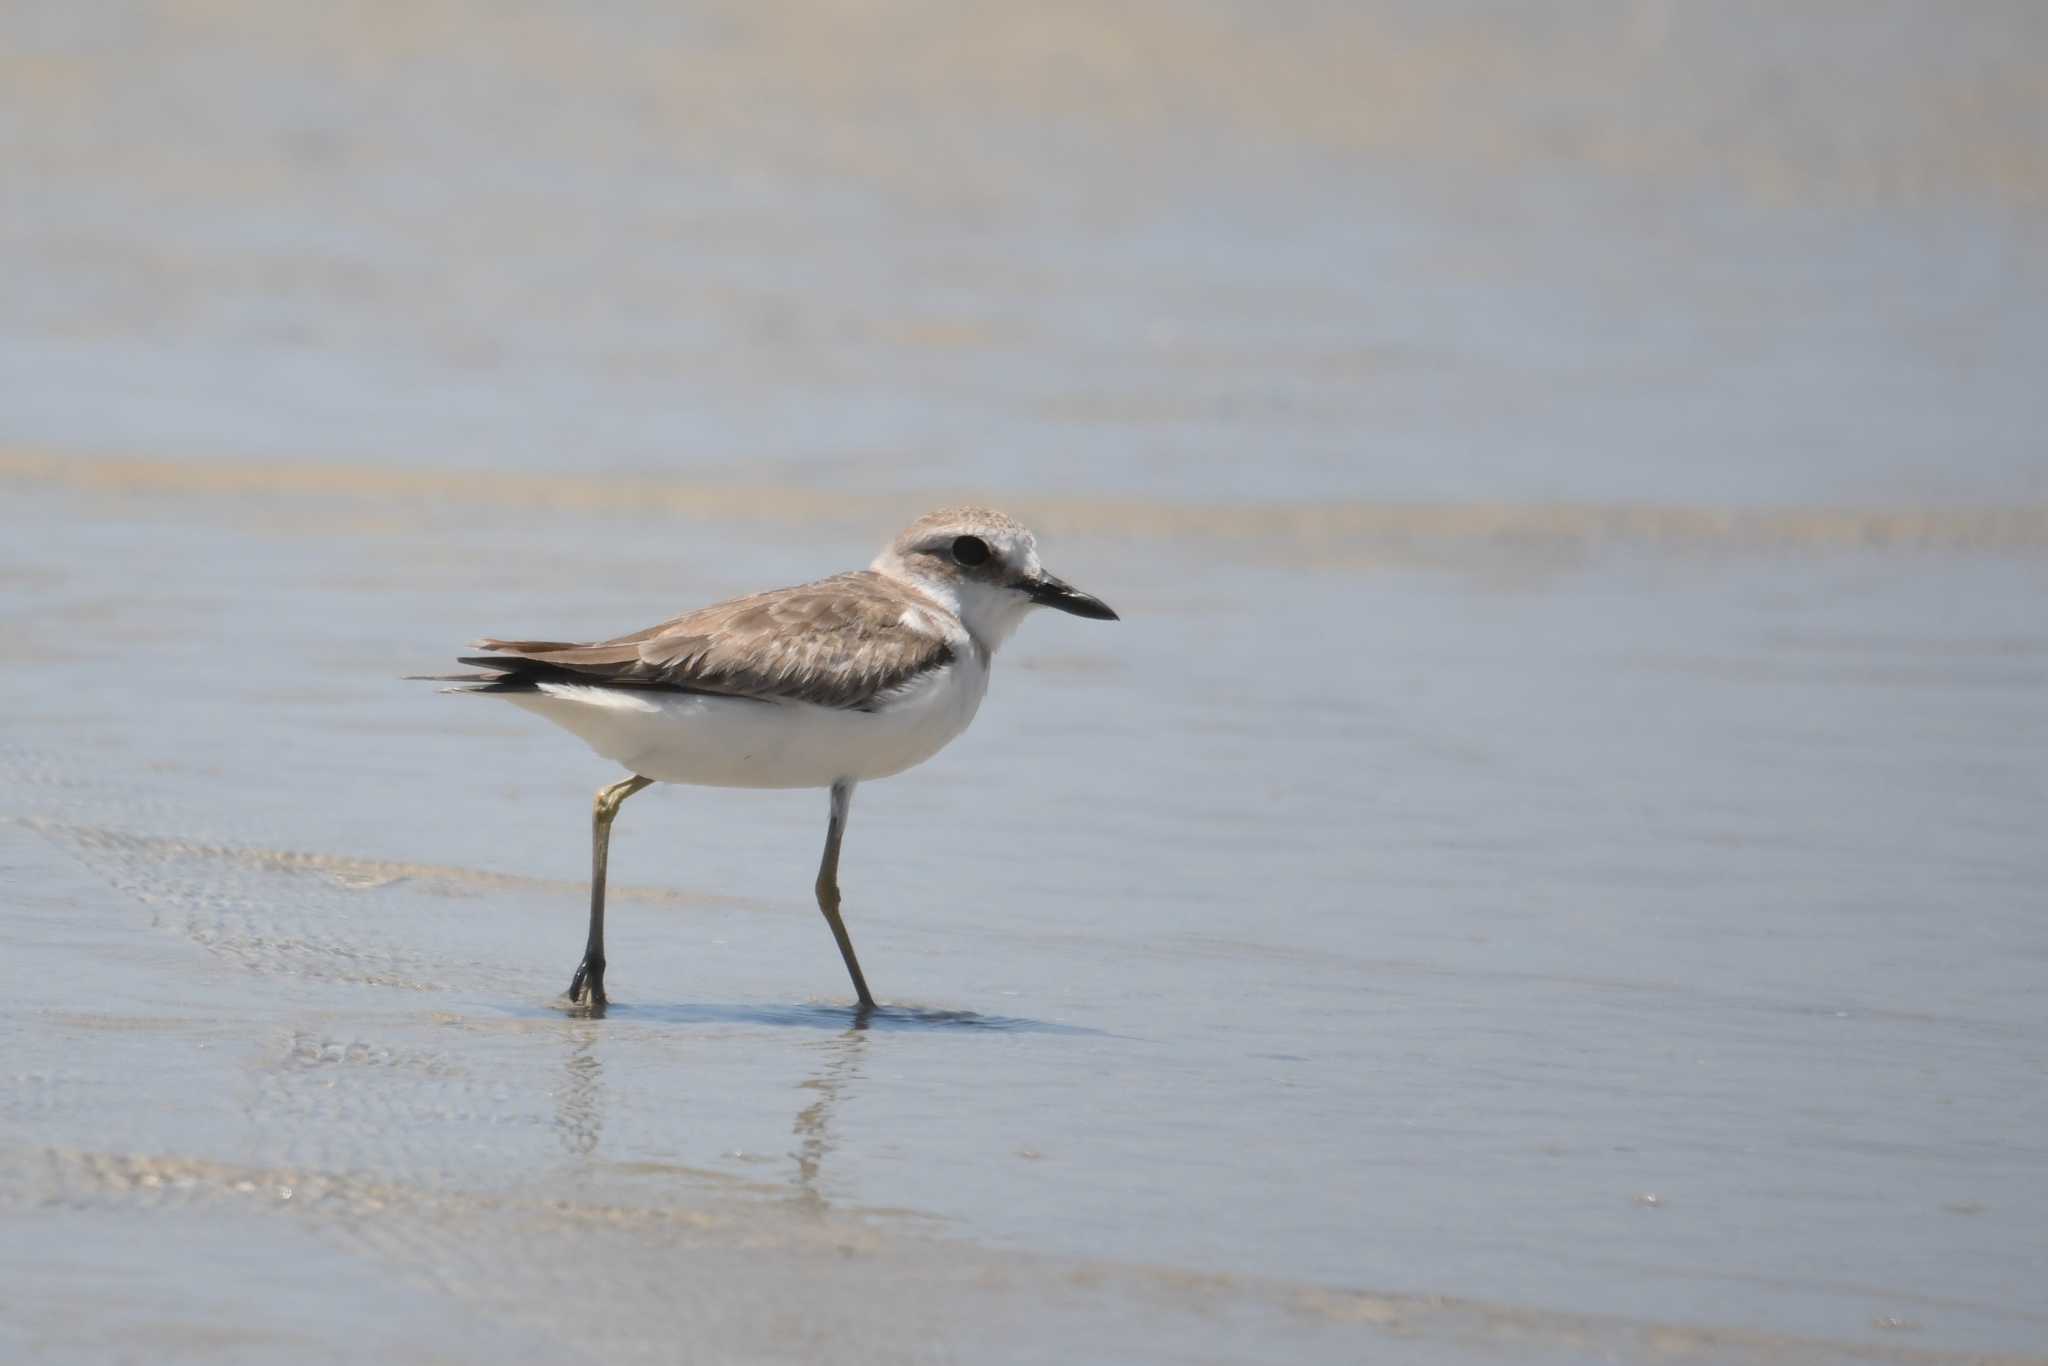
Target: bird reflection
[580, 1099]
[579, 1103]
[840, 1065]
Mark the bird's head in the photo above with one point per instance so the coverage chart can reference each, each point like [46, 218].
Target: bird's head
[984, 566]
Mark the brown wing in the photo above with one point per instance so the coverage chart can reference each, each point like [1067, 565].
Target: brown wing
[839, 642]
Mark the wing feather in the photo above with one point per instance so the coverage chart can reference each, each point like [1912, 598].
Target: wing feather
[840, 642]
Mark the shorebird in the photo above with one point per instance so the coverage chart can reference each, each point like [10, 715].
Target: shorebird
[828, 684]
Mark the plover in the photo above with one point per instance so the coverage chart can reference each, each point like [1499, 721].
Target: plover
[829, 684]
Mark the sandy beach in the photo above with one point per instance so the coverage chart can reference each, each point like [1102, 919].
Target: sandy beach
[1549, 868]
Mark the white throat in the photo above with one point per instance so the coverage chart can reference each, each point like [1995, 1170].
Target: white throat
[989, 613]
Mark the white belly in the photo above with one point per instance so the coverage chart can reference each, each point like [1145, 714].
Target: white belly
[714, 741]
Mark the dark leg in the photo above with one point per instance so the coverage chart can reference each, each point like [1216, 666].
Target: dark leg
[828, 887]
[586, 988]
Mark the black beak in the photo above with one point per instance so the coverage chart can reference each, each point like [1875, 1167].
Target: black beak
[1048, 591]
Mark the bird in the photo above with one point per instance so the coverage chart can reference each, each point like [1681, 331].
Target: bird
[827, 684]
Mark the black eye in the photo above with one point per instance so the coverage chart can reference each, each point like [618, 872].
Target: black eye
[970, 550]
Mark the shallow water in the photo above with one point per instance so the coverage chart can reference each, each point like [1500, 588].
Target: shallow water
[1548, 867]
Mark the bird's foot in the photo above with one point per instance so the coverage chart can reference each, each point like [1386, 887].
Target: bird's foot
[586, 988]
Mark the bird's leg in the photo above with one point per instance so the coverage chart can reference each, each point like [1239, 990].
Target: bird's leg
[828, 887]
[587, 986]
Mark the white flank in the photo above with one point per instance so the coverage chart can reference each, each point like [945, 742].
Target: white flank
[712, 741]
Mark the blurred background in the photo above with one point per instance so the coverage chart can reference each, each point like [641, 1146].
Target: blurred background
[1646, 251]
[1548, 866]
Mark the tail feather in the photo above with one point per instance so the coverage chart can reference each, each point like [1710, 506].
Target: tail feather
[521, 666]
[507, 674]
[494, 681]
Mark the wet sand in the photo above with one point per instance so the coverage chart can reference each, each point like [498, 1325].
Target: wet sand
[1548, 868]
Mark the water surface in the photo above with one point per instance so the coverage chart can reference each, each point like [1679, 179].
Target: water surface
[1549, 865]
